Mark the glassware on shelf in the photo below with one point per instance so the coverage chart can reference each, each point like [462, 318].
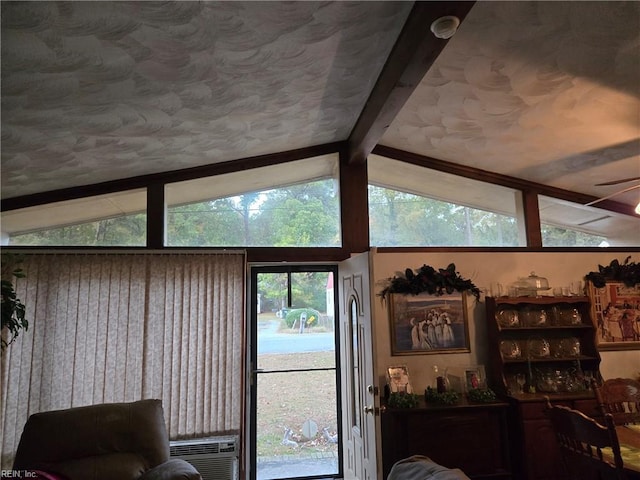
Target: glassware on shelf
[441, 382]
[534, 317]
[559, 381]
[521, 379]
[569, 347]
[538, 347]
[568, 316]
[508, 318]
[565, 347]
[510, 349]
[556, 349]
[576, 288]
[588, 376]
[531, 286]
[546, 381]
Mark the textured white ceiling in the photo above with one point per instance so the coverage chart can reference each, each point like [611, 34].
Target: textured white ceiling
[544, 91]
[97, 91]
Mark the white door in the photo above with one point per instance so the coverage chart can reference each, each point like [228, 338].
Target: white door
[360, 404]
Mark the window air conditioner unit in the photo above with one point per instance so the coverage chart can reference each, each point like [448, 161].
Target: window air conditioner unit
[216, 458]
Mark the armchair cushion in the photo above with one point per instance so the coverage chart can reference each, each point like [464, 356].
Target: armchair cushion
[419, 467]
[40, 475]
[117, 441]
[173, 469]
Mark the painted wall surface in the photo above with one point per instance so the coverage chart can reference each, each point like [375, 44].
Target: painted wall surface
[560, 268]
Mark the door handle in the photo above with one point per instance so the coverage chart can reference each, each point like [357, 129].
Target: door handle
[373, 390]
[369, 409]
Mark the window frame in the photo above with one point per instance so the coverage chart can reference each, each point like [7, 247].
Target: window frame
[354, 212]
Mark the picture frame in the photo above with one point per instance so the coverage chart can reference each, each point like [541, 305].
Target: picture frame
[474, 377]
[428, 324]
[615, 311]
[398, 379]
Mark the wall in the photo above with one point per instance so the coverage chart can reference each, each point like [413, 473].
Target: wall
[560, 268]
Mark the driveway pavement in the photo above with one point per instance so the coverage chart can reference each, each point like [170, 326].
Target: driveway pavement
[281, 467]
[270, 340]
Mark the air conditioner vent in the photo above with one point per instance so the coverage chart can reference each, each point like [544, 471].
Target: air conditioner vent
[216, 458]
[196, 448]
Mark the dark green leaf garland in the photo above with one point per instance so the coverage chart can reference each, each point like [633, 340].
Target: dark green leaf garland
[403, 400]
[450, 397]
[626, 272]
[428, 279]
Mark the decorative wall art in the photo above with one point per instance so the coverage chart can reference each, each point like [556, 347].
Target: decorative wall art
[423, 324]
[616, 313]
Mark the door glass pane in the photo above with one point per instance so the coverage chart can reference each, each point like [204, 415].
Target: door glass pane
[355, 364]
[296, 401]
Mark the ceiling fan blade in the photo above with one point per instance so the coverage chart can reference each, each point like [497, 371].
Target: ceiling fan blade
[616, 182]
[628, 189]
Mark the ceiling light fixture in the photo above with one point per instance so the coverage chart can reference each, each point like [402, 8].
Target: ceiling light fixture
[445, 27]
[638, 208]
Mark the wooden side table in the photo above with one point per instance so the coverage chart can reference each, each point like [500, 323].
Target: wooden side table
[469, 436]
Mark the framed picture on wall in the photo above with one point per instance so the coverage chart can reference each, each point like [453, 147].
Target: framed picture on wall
[424, 324]
[615, 309]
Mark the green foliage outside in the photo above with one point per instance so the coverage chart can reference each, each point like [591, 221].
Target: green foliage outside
[308, 215]
[562, 237]
[124, 231]
[308, 290]
[313, 317]
[403, 219]
[298, 215]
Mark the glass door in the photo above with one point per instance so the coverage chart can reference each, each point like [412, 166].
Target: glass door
[295, 424]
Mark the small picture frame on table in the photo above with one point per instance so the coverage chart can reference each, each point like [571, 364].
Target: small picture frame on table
[398, 379]
[474, 377]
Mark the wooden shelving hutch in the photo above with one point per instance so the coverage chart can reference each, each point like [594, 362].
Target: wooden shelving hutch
[551, 341]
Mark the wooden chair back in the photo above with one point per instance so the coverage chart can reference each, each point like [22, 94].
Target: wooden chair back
[620, 397]
[582, 440]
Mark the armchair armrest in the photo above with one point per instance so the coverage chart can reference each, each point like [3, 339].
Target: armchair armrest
[172, 469]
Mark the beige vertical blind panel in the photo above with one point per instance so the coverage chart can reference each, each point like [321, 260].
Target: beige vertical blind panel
[122, 327]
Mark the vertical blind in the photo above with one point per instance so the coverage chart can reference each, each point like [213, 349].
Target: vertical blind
[123, 327]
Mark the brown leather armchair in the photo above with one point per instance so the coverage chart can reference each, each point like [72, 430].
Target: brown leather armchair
[117, 441]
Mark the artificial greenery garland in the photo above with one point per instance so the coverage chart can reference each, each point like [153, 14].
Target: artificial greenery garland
[450, 397]
[403, 400]
[481, 395]
[626, 272]
[428, 279]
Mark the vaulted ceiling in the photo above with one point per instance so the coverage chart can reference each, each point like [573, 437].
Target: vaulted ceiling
[547, 92]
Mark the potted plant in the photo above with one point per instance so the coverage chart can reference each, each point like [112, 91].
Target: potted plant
[13, 310]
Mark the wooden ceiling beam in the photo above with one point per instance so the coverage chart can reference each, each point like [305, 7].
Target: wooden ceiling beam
[410, 59]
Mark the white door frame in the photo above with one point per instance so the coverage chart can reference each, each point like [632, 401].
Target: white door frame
[359, 428]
